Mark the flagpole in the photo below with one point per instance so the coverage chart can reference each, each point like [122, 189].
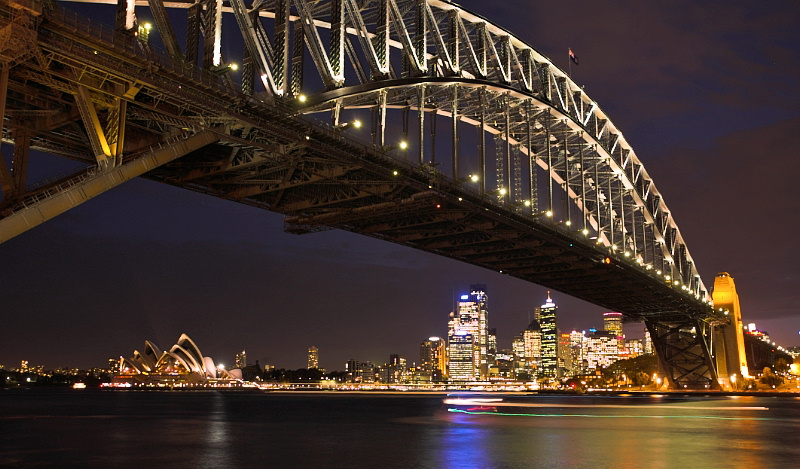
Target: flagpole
[569, 63]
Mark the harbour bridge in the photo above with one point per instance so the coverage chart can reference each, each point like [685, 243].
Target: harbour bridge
[412, 121]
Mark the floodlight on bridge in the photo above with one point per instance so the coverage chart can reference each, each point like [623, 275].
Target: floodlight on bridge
[356, 124]
[225, 68]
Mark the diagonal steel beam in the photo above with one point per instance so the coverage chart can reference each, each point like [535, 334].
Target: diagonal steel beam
[94, 183]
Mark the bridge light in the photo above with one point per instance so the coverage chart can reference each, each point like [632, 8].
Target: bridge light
[607, 260]
[403, 144]
[627, 254]
[676, 282]
[302, 98]
[569, 223]
[148, 26]
[527, 203]
[357, 124]
[502, 191]
[394, 172]
[585, 232]
[234, 66]
[549, 213]
[473, 177]
[438, 205]
[667, 277]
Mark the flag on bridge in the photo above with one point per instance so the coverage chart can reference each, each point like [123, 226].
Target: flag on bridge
[573, 57]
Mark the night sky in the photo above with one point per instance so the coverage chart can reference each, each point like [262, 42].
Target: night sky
[705, 92]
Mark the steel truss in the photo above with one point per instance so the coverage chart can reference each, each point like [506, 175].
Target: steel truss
[481, 148]
[684, 352]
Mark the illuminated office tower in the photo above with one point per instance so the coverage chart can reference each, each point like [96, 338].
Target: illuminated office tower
[432, 358]
[601, 349]
[577, 344]
[471, 319]
[532, 344]
[647, 347]
[492, 347]
[396, 369]
[241, 360]
[567, 355]
[612, 322]
[546, 314]
[518, 350]
[313, 357]
[460, 357]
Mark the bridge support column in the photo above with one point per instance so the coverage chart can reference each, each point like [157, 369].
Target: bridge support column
[729, 348]
[683, 353]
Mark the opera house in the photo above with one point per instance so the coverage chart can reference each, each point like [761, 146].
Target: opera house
[182, 366]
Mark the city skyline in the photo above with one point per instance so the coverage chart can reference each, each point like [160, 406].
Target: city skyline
[704, 93]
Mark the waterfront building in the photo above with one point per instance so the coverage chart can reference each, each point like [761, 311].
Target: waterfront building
[504, 363]
[313, 358]
[576, 344]
[546, 315]
[460, 357]
[568, 355]
[433, 358]
[632, 349]
[492, 347]
[518, 350]
[182, 365]
[532, 347]
[396, 369]
[360, 372]
[601, 349]
[647, 347]
[241, 360]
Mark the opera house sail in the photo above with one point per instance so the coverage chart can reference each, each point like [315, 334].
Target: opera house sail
[183, 365]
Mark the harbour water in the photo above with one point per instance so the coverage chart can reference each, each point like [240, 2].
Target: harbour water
[113, 429]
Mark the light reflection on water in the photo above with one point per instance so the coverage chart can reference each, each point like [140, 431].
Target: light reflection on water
[54, 428]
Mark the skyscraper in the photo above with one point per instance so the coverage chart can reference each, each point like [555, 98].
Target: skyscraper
[241, 360]
[313, 357]
[532, 346]
[612, 322]
[432, 358]
[547, 322]
[471, 319]
[460, 357]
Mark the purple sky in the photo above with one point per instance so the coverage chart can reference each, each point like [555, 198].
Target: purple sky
[706, 93]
